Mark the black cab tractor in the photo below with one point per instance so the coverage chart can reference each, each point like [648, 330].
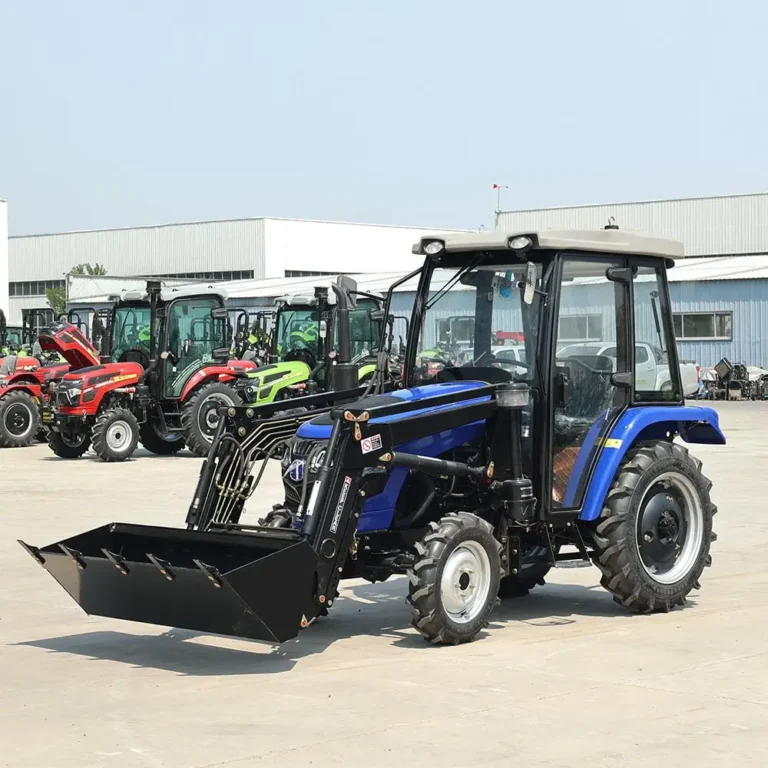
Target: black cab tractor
[473, 481]
[304, 344]
[170, 369]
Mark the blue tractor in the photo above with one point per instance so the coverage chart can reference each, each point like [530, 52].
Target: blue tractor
[474, 480]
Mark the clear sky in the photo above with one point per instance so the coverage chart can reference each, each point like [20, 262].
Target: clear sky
[396, 111]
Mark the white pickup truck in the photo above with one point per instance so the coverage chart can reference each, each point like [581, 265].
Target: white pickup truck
[651, 365]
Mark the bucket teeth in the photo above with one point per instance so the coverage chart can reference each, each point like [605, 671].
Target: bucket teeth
[212, 573]
[74, 554]
[162, 565]
[117, 560]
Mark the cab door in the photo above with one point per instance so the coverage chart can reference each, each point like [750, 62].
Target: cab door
[590, 389]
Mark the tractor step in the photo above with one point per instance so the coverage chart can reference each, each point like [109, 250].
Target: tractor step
[257, 585]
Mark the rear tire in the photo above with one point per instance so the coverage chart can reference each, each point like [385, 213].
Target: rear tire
[199, 419]
[455, 581]
[69, 447]
[156, 443]
[19, 420]
[653, 538]
[115, 435]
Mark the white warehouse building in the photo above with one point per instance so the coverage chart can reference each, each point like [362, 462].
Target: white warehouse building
[237, 249]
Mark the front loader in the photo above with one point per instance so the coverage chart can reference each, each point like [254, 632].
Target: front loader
[473, 481]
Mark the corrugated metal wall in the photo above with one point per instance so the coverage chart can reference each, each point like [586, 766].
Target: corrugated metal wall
[707, 226]
[169, 249]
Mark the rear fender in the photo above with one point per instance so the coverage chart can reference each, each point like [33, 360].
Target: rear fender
[29, 388]
[694, 424]
[206, 376]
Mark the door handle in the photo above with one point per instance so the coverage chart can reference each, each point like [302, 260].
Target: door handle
[623, 379]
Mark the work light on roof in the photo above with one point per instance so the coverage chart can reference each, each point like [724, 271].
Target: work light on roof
[433, 247]
[520, 243]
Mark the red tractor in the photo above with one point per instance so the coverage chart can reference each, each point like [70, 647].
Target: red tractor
[170, 372]
[25, 381]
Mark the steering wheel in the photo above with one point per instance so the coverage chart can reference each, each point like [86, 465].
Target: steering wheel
[595, 371]
[138, 352]
[301, 356]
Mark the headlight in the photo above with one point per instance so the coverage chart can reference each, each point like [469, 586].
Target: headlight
[433, 247]
[520, 243]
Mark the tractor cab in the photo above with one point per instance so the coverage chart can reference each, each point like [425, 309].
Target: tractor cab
[306, 344]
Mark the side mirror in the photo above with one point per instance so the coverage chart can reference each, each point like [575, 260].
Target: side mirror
[531, 275]
[347, 286]
[378, 314]
[220, 313]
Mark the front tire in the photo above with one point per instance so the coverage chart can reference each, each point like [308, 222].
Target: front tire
[115, 435]
[653, 538]
[454, 583]
[69, 446]
[19, 420]
[199, 418]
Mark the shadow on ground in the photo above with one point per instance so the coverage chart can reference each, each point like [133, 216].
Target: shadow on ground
[376, 610]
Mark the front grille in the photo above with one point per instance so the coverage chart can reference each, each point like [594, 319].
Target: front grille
[66, 398]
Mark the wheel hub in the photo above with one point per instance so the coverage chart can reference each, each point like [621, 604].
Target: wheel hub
[118, 436]
[18, 419]
[209, 417]
[465, 582]
[670, 528]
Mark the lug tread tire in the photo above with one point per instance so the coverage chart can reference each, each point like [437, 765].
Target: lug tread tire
[7, 440]
[190, 424]
[614, 539]
[427, 614]
[64, 450]
[153, 443]
[99, 434]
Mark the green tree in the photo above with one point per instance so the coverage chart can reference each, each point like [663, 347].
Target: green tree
[89, 269]
[57, 300]
[57, 297]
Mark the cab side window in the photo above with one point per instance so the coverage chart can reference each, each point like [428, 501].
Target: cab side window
[654, 380]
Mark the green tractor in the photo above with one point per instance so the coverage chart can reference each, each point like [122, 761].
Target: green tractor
[304, 342]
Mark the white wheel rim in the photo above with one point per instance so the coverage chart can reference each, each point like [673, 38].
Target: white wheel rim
[209, 419]
[118, 436]
[465, 582]
[693, 518]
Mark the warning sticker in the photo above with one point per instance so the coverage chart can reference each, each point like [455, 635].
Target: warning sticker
[372, 443]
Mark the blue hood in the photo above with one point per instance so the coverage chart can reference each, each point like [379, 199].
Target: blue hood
[322, 431]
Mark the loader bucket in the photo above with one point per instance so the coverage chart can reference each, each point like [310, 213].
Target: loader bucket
[256, 584]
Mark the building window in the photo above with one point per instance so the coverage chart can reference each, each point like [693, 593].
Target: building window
[580, 328]
[33, 287]
[306, 273]
[236, 274]
[703, 326]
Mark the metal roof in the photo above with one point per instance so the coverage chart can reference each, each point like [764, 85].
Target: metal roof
[707, 226]
[593, 240]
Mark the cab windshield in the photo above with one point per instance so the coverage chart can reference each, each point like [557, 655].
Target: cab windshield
[476, 318]
[130, 330]
[297, 329]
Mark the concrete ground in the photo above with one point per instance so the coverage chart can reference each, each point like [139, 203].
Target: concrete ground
[563, 677]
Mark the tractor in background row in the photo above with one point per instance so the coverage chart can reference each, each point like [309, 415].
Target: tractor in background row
[170, 369]
[25, 382]
[474, 481]
[305, 339]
